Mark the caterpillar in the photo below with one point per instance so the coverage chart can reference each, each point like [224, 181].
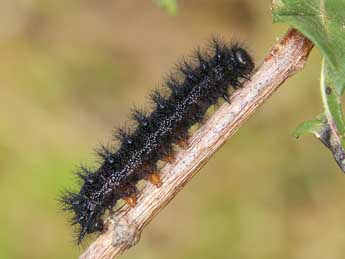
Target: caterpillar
[196, 85]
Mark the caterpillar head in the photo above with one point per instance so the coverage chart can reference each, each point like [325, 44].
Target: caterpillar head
[243, 60]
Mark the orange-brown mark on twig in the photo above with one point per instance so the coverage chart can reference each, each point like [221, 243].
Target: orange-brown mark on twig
[155, 179]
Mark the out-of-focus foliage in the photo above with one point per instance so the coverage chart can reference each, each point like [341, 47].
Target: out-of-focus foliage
[71, 70]
[169, 5]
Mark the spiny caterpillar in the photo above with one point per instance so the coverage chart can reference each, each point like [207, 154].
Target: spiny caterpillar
[193, 90]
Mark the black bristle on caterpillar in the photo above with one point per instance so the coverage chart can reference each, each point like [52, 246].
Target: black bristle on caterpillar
[199, 87]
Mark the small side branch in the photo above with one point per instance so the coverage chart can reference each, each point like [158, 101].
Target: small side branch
[125, 226]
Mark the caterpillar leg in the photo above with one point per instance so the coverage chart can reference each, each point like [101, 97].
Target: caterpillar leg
[204, 120]
[155, 179]
[183, 143]
[131, 201]
[169, 158]
[226, 98]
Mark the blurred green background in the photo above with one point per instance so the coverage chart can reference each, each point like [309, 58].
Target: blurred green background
[70, 71]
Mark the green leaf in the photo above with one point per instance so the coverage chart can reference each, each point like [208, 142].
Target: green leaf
[169, 5]
[311, 126]
[323, 22]
[332, 103]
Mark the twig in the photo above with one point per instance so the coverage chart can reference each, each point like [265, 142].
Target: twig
[124, 228]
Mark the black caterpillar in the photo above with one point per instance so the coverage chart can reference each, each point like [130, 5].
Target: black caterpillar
[198, 87]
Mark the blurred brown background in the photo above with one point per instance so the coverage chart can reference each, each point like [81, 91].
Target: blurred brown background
[70, 71]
